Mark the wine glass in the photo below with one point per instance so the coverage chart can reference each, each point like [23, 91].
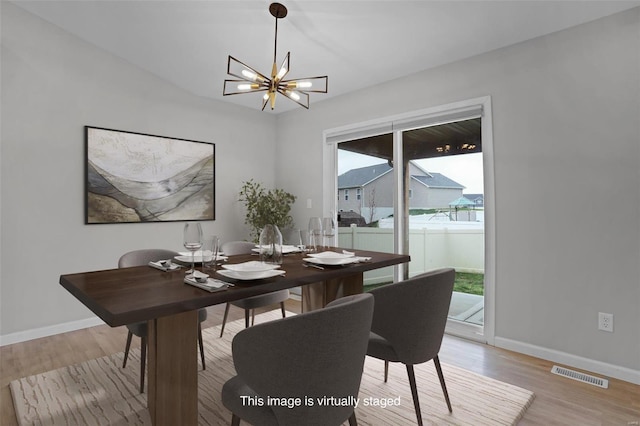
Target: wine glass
[299, 238]
[192, 241]
[328, 231]
[315, 233]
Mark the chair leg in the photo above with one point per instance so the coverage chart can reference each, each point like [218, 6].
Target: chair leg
[282, 309]
[414, 393]
[436, 361]
[126, 349]
[386, 370]
[201, 344]
[246, 318]
[235, 420]
[352, 420]
[143, 362]
[224, 319]
[253, 317]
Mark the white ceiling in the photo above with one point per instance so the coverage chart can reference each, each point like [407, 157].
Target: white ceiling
[356, 43]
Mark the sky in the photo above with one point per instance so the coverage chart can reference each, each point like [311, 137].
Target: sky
[466, 169]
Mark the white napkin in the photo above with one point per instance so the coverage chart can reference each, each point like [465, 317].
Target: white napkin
[164, 265]
[357, 258]
[200, 280]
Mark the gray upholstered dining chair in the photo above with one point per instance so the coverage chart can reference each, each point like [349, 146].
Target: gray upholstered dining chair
[139, 258]
[249, 304]
[307, 356]
[408, 324]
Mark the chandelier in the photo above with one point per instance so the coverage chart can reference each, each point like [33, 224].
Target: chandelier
[253, 81]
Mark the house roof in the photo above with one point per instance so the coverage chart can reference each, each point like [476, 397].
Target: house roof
[474, 197]
[357, 178]
[438, 180]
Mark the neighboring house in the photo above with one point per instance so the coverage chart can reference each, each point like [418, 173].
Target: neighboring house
[367, 190]
[478, 199]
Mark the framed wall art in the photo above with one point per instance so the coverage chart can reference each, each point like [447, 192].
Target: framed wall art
[135, 177]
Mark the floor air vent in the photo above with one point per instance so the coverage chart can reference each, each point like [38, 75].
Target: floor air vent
[581, 377]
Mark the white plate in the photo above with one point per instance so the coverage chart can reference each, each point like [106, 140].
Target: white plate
[252, 266]
[285, 249]
[197, 259]
[187, 259]
[198, 253]
[246, 276]
[336, 261]
[330, 255]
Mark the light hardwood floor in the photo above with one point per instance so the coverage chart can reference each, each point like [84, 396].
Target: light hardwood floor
[559, 401]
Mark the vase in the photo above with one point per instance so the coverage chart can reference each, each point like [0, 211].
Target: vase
[271, 245]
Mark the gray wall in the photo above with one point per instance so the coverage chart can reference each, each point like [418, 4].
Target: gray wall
[566, 139]
[53, 84]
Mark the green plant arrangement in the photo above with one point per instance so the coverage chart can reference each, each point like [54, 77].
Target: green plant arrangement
[265, 206]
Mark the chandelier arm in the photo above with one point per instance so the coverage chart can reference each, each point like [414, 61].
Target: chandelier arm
[300, 102]
[229, 88]
[284, 66]
[263, 77]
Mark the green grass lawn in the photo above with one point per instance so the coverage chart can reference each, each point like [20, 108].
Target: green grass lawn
[469, 283]
[465, 283]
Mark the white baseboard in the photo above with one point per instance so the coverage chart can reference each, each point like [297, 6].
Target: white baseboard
[570, 360]
[36, 333]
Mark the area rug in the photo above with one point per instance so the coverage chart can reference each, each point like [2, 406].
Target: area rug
[100, 392]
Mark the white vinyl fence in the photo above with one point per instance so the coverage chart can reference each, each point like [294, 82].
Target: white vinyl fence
[461, 249]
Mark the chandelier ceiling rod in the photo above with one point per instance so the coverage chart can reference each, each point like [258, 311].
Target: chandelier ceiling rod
[278, 11]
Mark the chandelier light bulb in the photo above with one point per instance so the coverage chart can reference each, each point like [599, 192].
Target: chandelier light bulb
[293, 95]
[281, 74]
[250, 75]
[247, 86]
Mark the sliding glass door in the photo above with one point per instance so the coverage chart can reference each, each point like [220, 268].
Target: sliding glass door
[416, 184]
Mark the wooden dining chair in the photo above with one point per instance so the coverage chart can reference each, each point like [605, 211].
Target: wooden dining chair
[408, 325]
[249, 304]
[308, 356]
[140, 258]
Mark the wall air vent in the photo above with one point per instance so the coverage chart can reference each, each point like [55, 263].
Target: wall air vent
[581, 377]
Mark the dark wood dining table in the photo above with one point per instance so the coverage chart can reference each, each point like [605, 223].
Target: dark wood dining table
[128, 295]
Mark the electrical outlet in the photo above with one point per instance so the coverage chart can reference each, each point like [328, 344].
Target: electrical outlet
[605, 322]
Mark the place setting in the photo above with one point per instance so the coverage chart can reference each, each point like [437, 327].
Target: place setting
[270, 250]
[209, 255]
[332, 259]
[207, 250]
[252, 270]
[164, 265]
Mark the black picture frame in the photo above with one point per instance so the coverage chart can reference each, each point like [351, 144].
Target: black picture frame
[136, 177]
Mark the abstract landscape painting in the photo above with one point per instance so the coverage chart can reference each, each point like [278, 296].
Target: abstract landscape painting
[134, 177]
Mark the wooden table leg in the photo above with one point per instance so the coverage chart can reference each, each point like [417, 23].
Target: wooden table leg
[173, 370]
[313, 297]
[317, 295]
